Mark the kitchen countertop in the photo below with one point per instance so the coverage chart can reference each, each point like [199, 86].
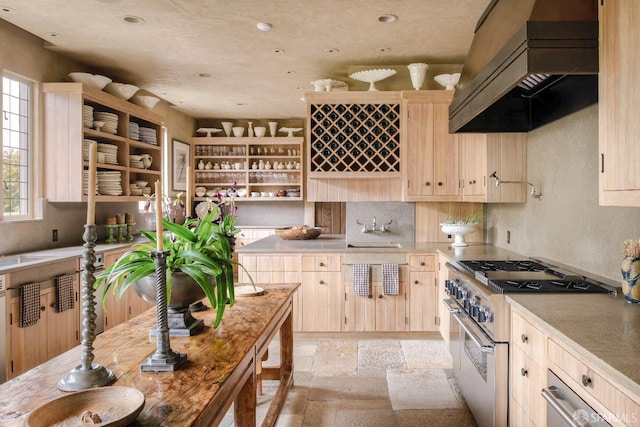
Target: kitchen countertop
[603, 328]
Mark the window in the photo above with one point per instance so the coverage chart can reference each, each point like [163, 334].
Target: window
[17, 147]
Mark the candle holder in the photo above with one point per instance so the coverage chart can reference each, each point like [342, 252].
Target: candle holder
[130, 231]
[110, 229]
[121, 232]
[164, 359]
[87, 374]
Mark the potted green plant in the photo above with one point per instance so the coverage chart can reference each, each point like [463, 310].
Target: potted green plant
[198, 250]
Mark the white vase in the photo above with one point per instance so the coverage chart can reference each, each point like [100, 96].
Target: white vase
[418, 72]
[227, 127]
[250, 130]
[273, 128]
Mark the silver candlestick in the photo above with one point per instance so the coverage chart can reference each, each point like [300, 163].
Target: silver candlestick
[164, 359]
[87, 374]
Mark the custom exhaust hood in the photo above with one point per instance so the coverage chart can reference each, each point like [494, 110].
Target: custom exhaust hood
[531, 62]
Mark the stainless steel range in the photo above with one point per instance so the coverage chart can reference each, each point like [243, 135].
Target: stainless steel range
[479, 336]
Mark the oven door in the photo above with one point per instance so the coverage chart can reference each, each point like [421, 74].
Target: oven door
[475, 357]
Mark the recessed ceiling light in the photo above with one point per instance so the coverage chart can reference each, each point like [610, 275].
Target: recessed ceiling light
[331, 50]
[133, 19]
[279, 50]
[263, 26]
[291, 72]
[52, 34]
[384, 50]
[388, 18]
[204, 75]
[6, 9]
[241, 104]
[302, 98]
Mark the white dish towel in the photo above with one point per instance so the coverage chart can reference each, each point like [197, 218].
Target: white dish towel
[390, 279]
[361, 279]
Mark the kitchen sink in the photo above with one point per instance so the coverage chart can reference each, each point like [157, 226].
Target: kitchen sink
[375, 245]
[20, 259]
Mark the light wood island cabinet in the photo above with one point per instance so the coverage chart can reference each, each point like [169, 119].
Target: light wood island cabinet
[422, 293]
[63, 142]
[321, 293]
[618, 97]
[430, 153]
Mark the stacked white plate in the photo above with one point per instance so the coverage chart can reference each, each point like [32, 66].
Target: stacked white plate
[148, 135]
[136, 163]
[87, 116]
[110, 183]
[110, 153]
[146, 190]
[134, 131]
[110, 121]
[134, 190]
[85, 148]
[85, 183]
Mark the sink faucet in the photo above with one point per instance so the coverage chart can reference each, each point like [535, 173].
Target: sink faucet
[374, 226]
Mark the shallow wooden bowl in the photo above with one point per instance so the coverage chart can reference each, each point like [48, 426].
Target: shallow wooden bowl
[298, 233]
[116, 406]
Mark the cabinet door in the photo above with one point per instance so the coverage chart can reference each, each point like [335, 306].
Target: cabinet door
[617, 106]
[445, 155]
[422, 301]
[390, 309]
[321, 301]
[27, 346]
[359, 311]
[116, 310]
[474, 165]
[419, 168]
[64, 327]
[444, 325]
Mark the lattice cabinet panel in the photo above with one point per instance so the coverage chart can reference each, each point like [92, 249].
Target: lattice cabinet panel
[359, 138]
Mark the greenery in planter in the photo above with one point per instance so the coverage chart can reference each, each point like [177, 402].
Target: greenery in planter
[469, 219]
[199, 248]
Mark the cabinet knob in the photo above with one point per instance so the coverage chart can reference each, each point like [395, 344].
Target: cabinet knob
[43, 308]
[380, 296]
[523, 372]
[472, 182]
[586, 380]
[422, 263]
[440, 184]
[416, 282]
[322, 282]
[524, 338]
[321, 264]
[369, 296]
[427, 183]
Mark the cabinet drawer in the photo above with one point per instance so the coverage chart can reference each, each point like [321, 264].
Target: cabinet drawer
[422, 262]
[527, 337]
[321, 263]
[590, 385]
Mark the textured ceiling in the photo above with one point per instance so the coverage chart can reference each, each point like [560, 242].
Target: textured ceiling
[253, 74]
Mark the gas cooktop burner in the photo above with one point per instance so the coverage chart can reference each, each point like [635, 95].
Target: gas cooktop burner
[507, 265]
[546, 286]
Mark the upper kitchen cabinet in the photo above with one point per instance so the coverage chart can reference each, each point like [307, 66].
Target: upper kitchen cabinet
[129, 143]
[619, 96]
[483, 154]
[429, 151]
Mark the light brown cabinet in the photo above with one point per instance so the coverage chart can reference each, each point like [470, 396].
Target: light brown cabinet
[321, 293]
[430, 152]
[528, 373]
[119, 310]
[483, 154]
[422, 293]
[444, 320]
[54, 332]
[256, 165]
[618, 97]
[64, 133]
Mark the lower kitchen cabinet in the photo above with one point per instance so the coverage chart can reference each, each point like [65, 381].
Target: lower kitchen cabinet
[422, 293]
[376, 312]
[119, 310]
[52, 335]
[444, 323]
[321, 293]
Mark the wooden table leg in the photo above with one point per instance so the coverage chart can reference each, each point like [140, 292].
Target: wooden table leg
[245, 405]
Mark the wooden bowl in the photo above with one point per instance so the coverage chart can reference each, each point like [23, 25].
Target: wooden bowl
[298, 232]
[116, 406]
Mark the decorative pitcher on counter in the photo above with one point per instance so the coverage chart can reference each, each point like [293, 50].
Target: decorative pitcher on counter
[630, 269]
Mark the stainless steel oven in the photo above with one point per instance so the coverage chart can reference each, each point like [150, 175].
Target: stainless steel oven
[478, 360]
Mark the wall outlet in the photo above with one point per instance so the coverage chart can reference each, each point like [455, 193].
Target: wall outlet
[54, 235]
[508, 237]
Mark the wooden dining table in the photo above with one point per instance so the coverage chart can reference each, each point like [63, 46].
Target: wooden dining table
[224, 366]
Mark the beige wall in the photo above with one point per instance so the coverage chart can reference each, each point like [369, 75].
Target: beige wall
[25, 54]
[568, 225]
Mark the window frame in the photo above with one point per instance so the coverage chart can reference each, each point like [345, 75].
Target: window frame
[35, 165]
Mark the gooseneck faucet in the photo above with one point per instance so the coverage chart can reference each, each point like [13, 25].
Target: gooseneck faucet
[374, 226]
[533, 187]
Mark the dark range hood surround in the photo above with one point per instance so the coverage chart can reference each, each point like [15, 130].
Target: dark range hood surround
[531, 62]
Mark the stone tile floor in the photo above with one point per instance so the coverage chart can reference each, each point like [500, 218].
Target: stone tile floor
[367, 382]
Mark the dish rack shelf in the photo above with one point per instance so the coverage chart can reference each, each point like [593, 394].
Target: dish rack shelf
[257, 168]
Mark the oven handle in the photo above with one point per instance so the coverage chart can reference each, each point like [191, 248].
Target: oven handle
[485, 344]
[558, 407]
[453, 308]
